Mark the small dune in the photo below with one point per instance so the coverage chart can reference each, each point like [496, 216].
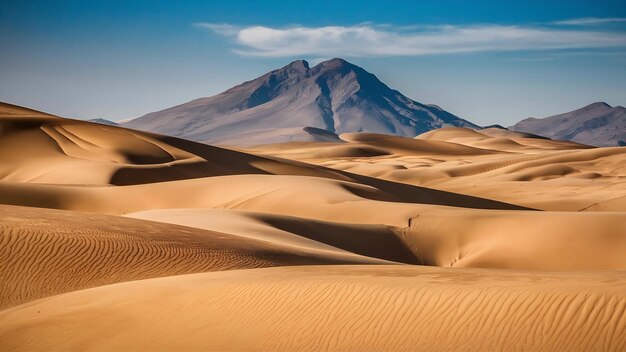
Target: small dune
[451, 133]
[403, 145]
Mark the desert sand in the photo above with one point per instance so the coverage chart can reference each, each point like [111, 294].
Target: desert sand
[457, 239]
[354, 308]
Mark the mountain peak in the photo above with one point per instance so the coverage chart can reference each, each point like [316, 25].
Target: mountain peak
[104, 122]
[298, 67]
[599, 104]
[336, 63]
[599, 107]
[298, 64]
[335, 95]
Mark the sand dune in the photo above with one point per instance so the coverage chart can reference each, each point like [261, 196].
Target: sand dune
[440, 236]
[97, 154]
[319, 198]
[307, 245]
[46, 252]
[618, 202]
[508, 161]
[376, 241]
[345, 308]
[518, 239]
[499, 138]
[16, 110]
[414, 146]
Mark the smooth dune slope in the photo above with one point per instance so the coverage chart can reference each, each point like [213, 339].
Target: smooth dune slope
[338, 308]
[521, 240]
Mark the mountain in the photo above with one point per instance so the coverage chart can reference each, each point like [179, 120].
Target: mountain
[597, 124]
[298, 102]
[104, 122]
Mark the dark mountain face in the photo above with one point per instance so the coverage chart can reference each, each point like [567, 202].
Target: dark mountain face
[334, 95]
[104, 122]
[596, 124]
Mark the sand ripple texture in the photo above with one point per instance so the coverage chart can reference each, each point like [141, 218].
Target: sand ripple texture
[45, 252]
[345, 308]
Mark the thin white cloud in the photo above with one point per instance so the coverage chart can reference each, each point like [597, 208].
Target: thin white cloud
[219, 28]
[373, 40]
[589, 21]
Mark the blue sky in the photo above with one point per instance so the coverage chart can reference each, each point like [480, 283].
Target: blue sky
[487, 61]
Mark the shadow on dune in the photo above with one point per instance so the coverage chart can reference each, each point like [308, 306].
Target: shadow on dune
[134, 158]
[224, 162]
[375, 241]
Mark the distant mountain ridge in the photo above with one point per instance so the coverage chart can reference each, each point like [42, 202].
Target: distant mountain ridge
[597, 124]
[298, 102]
[104, 122]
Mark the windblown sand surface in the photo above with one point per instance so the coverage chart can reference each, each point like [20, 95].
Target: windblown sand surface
[457, 239]
[352, 308]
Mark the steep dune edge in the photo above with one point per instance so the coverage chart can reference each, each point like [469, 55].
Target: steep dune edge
[46, 252]
[446, 237]
[347, 308]
[371, 240]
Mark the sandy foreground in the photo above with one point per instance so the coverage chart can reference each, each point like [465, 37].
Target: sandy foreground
[115, 239]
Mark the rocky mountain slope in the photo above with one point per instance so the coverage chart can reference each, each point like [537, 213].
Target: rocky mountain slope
[298, 102]
[597, 124]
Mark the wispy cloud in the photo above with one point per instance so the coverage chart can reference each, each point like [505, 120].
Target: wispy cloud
[589, 21]
[386, 40]
[224, 29]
